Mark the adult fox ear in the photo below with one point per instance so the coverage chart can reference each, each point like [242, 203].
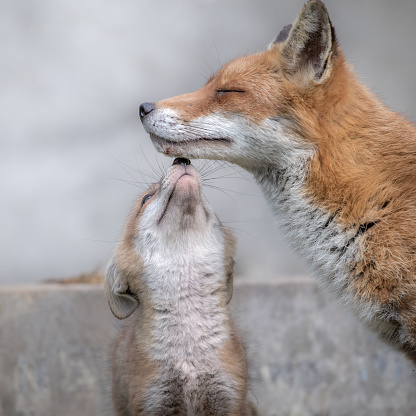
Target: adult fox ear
[281, 37]
[310, 44]
[121, 300]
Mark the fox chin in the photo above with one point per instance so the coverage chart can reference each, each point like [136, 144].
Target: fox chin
[337, 167]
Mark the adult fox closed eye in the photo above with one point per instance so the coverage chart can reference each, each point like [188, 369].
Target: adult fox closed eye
[179, 354]
[337, 167]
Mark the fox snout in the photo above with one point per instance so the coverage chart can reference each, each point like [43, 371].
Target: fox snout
[145, 109]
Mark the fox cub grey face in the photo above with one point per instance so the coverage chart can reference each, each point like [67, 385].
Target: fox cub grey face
[171, 224]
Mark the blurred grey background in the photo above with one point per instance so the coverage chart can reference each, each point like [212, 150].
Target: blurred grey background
[72, 149]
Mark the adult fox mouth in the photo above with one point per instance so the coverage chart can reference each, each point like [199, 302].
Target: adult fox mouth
[161, 140]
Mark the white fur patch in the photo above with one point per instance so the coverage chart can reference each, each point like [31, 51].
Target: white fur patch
[318, 237]
[228, 136]
[182, 273]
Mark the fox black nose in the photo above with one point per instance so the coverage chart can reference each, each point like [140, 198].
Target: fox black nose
[181, 161]
[145, 109]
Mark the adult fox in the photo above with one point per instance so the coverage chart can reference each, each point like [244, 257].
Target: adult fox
[337, 167]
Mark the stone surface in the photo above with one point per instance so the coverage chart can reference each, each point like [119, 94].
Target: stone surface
[53, 342]
[308, 356]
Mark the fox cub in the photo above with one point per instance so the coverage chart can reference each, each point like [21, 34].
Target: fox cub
[179, 353]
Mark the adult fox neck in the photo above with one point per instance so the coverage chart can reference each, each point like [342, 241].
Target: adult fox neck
[312, 231]
[357, 142]
[352, 169]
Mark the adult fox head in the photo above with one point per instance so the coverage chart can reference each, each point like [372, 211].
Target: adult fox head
[268, 107]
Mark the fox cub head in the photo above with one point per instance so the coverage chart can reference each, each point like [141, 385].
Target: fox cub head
[171, 231]
[266, 108]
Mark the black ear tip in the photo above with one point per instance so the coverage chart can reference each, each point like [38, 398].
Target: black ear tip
[314, 13]
[317, 2]
[316, 5]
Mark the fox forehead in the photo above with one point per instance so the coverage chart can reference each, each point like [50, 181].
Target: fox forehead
[258, 78]
[248, 70]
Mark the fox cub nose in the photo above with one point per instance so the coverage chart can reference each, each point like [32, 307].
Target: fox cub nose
[145, 109]
[181, 161]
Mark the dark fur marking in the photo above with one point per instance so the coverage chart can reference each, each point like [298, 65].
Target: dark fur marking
[385, 204]
[166, 207]
[189, 209]
[361, 230]
[283, 34]
[330, 219]
[164, 311]
[364, 227]
[133, 295]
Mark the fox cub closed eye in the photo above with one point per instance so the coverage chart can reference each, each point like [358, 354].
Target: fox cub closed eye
[146, 198]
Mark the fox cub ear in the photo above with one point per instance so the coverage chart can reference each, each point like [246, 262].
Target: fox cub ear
[309, 44]
[121, 300]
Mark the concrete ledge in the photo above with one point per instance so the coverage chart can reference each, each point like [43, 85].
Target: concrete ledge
[308, 355]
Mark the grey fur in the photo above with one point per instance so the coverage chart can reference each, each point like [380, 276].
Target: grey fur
[283, 34]
[311, 40]
[316, 235]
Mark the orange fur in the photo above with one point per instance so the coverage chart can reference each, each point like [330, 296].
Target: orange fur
[361, 176]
